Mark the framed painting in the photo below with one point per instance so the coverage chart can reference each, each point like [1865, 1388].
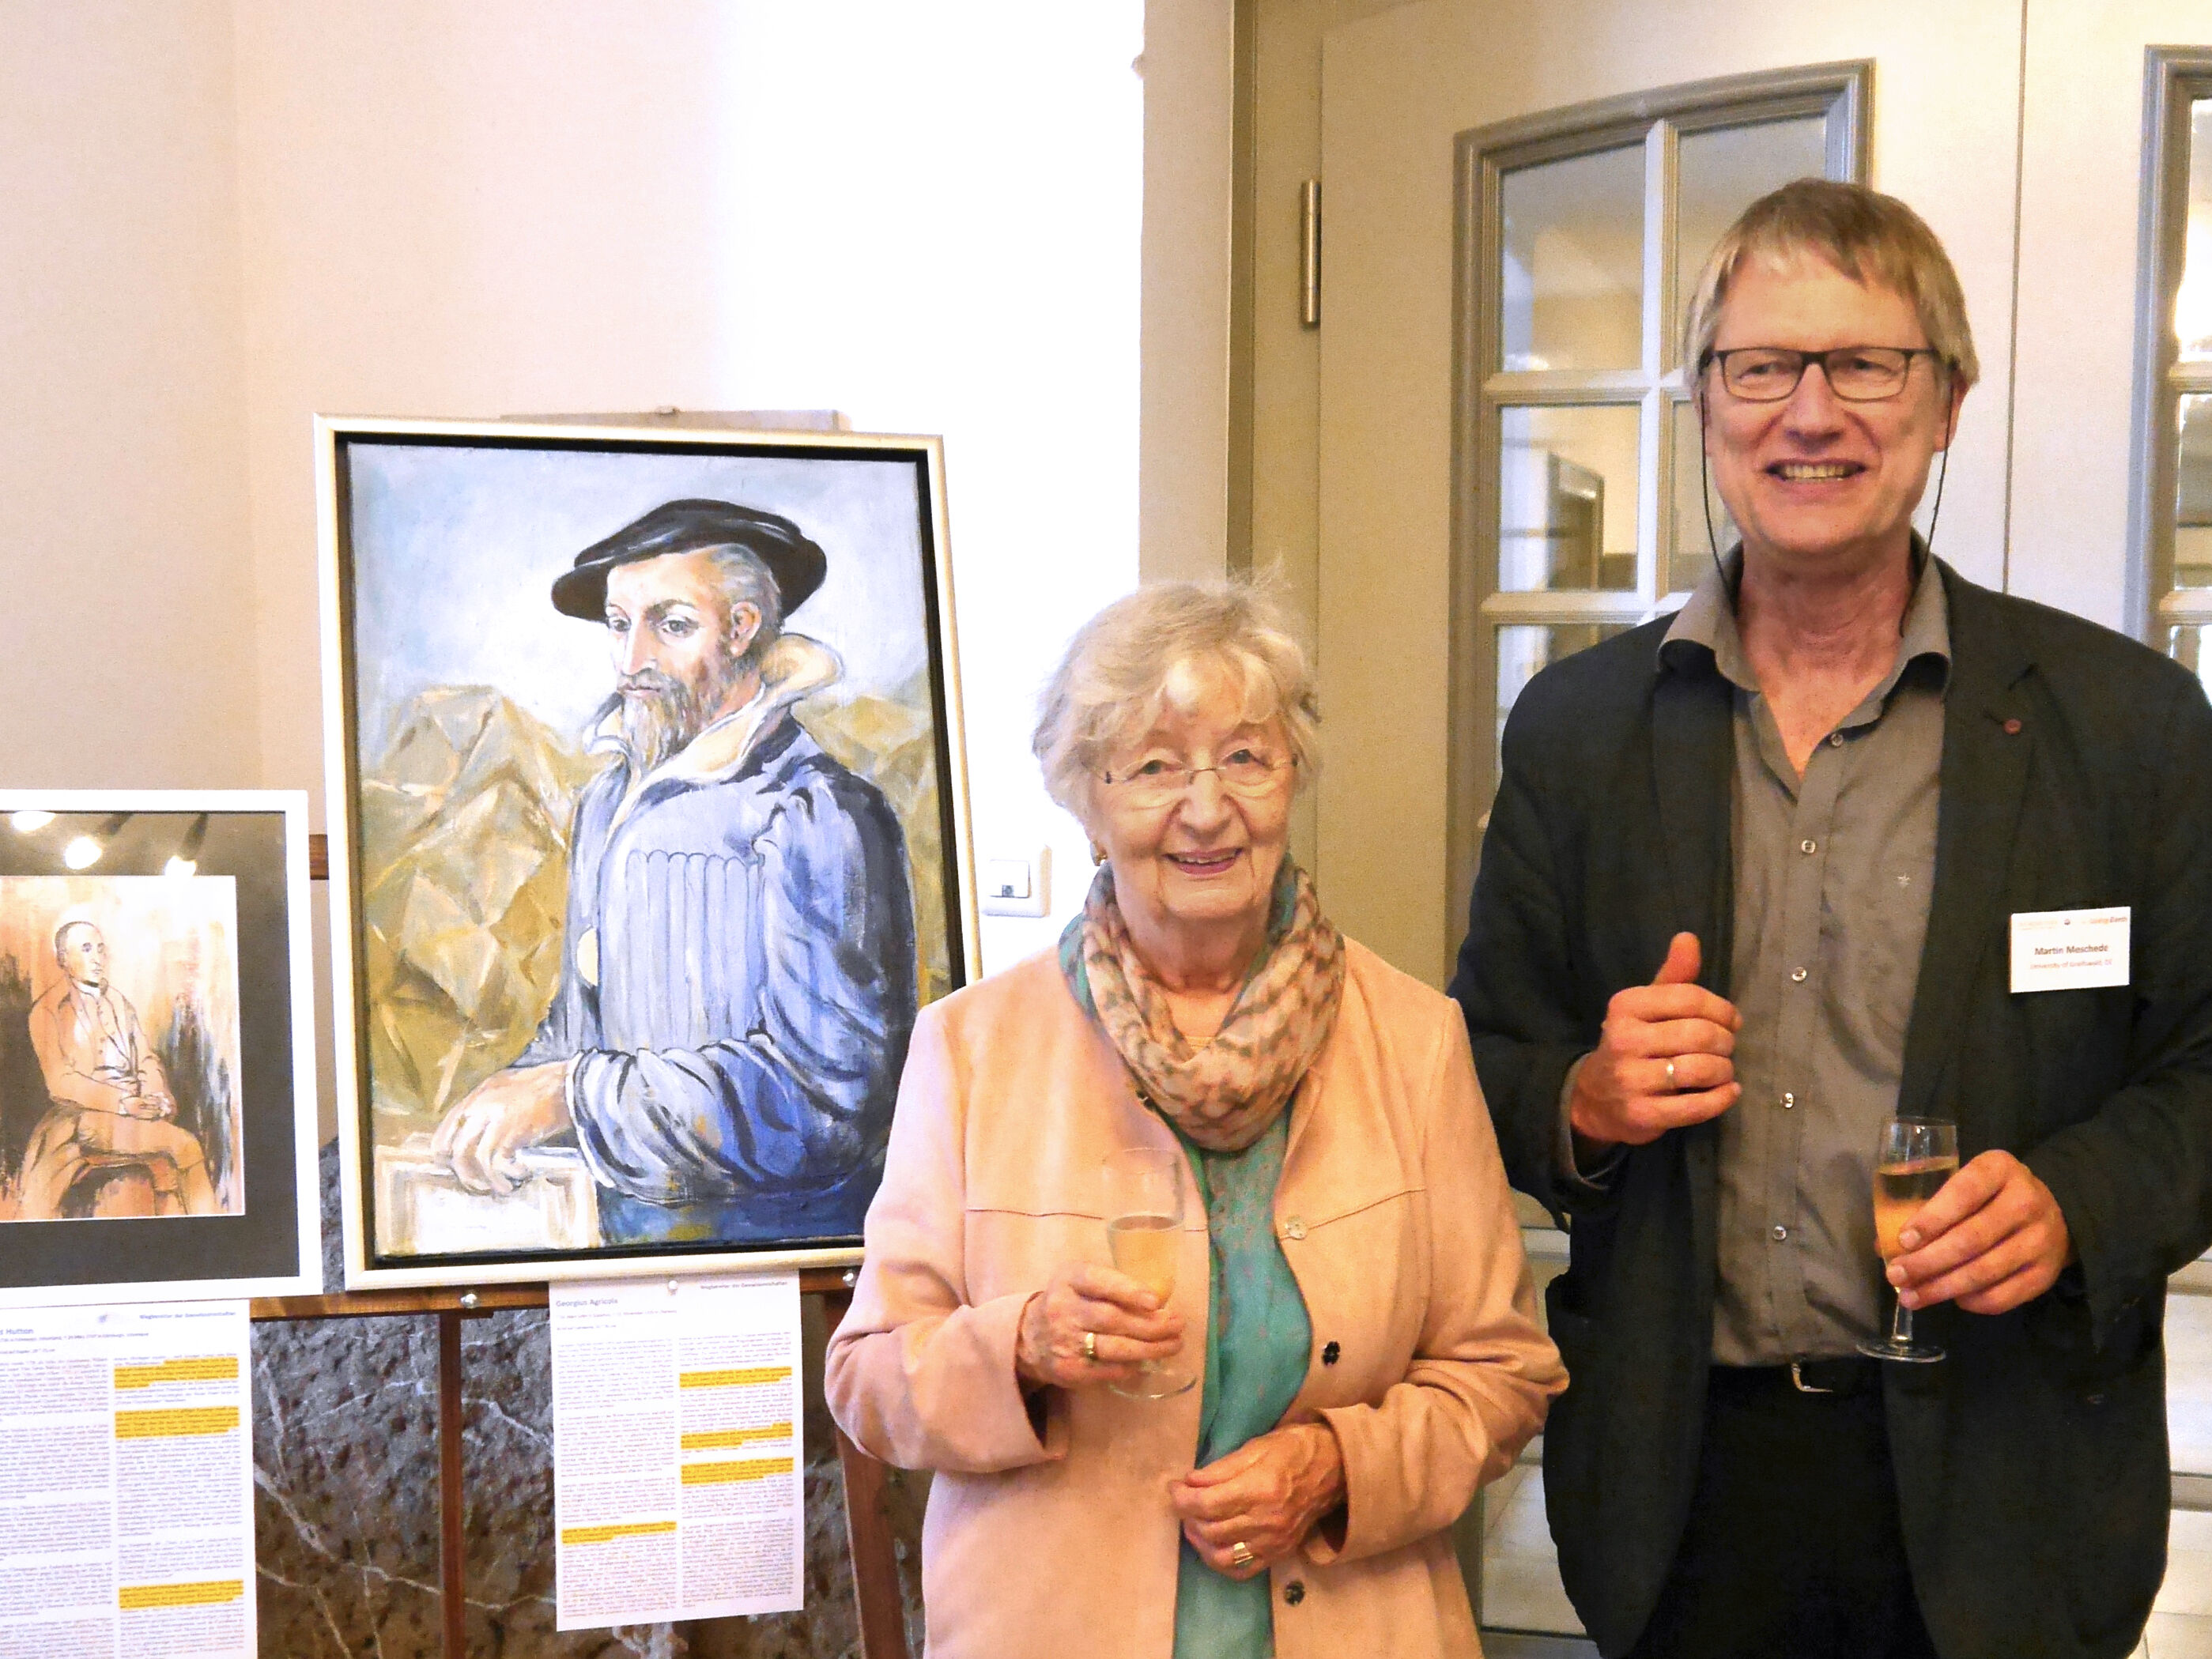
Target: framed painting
[649, 838]
[157, 1064]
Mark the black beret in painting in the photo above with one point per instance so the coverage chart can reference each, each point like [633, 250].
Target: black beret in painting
[692, 526]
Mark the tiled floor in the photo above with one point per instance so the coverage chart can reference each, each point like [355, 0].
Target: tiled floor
[2176, 1636]
[2181, 1622]
[1520, 1574]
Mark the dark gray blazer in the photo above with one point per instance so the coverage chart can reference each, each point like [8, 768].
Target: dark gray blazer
[2032, 1464]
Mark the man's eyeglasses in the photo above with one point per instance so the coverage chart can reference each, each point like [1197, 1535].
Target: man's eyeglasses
[1157, 782]
[1857, 374]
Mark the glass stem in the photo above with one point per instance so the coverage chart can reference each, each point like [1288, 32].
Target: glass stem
[1900, 1325]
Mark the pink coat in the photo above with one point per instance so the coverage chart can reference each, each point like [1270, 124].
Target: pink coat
[1394, 1215]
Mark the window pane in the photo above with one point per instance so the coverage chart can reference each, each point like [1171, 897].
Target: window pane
[1566, 490]
[2185, 645]
[2192, 495]
[1689, 553]
[2193, 306]
[1524, 649]
[1720, 172]
[1573, 281]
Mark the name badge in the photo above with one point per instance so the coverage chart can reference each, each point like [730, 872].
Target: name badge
[2070, 949]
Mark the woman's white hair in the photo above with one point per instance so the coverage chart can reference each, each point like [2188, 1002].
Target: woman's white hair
[1169, 644]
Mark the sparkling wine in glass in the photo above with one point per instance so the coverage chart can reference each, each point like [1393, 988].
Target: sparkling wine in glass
[1913, 1157]
[1144, 1232]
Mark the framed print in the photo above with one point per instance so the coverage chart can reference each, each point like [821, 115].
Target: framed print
[157, 1066]
[649, 838]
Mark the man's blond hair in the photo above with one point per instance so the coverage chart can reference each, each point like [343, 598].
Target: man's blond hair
[1871, 237]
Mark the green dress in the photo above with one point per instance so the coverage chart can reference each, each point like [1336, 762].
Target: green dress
[1259, 1341]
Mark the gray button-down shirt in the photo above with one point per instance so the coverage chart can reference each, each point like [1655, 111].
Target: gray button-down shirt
[1832, 874]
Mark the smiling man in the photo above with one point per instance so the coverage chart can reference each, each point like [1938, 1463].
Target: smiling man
[1751, 888]
[737, 977]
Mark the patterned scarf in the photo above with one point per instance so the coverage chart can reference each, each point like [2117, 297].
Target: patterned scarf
[1222, 1095]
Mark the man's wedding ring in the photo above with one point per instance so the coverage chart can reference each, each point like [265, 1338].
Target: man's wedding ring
[1240, 1554]
[1090, 1346]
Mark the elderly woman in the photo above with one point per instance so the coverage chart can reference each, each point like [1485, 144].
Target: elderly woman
[1349, 1286]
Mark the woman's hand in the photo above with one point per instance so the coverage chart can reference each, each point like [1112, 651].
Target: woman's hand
[1266, 1495]
[1125, 1322]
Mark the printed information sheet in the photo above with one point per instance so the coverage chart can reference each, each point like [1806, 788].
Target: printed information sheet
[126, 1482]
[677, 1484]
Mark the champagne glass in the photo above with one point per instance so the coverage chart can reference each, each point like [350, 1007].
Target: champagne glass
[1144, 1232]
[1913, 1157]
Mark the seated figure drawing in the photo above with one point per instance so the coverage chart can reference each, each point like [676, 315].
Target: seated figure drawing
[111, 1108]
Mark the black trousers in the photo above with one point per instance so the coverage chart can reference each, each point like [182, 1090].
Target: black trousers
[1792, 1550]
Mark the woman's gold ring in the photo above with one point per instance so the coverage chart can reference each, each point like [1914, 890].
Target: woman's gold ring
[1090, 1346]
[1240, 1554]
[1670, 1074]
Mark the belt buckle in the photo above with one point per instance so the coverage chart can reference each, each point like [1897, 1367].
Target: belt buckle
[1797, 1380]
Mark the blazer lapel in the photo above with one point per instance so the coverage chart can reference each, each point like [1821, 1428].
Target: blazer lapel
[1989, 738]
[1692, 759]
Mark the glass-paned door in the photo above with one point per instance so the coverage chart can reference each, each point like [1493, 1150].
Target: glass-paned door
[1580, 505]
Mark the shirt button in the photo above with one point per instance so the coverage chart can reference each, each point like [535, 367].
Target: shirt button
[1835, 740]
[1294, 1228]
[1781, 1233]
[1788, 1101]
[1808, 846]
[1797, 975]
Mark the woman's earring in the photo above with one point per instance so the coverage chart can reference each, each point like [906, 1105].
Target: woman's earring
[1098, 855]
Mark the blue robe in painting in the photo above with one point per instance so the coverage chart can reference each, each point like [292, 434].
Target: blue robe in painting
[737, 979]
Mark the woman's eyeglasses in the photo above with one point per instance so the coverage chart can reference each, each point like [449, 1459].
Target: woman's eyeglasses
[1157, 781]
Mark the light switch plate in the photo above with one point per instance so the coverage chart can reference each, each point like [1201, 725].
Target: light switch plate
[1017, 886]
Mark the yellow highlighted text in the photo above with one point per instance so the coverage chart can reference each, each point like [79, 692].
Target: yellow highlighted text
[608, 1535]
[735, 1379]
[214, 1368]
[721, 1475]
[181, 1421]
[135, 1598]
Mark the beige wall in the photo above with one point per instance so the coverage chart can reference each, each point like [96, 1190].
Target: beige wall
[521, 205]
[1183, 489]
[224, 216]
[128, 630]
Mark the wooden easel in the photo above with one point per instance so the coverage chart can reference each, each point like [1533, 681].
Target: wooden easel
[867, 1525]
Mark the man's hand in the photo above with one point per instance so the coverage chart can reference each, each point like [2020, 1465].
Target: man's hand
[1623, 1094]
[1991, 1239]
[483, 1137]
[1266, 1495]
[1125, 1323]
